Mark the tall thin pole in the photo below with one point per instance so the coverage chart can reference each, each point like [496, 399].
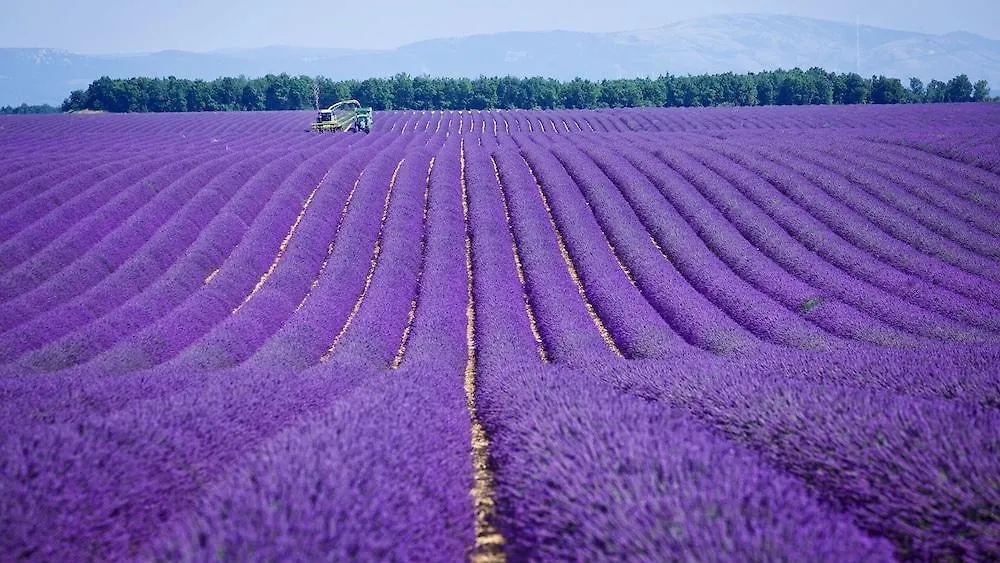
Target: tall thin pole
[857, 43]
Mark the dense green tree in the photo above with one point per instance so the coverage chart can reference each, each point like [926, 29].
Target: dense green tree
[981, 91]
[857, 90]
[708, 90]
[299, 92]
[617, 93]
[484, 93]
[251, 99]
[820, 86]
[341, 90]
[157, 98]
[887, 90]
[425, 93]
[793, 89]
[937, 92]
[959, 89]
[686, 92]
[226, 93]
[917, 92]
[276, 92]
[402, 91]
[652, 92]
[543, 93]
[766, 91]
[746, 91]
[579, 93]
[456, 94]
[176, 95]
[76, 101]
[512, 93]
[375, 92]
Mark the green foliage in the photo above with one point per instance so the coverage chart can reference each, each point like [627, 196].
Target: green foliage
[377, 93]
[981, 91]
[936, 92]
[959, 89]
[888, 91]
[402, 91]
[484, 93]
[857, 90]
[917, 92]
[25, 109]
[285, 92]
[251, 98]
[810, 304]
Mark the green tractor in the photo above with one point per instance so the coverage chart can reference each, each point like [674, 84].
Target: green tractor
[347, 115]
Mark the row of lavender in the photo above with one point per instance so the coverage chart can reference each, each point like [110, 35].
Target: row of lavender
[901, 443]
[796, 245]
[232, 125]
[245, 344]
[112, 462]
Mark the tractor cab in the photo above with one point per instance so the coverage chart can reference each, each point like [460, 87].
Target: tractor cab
[325, 116]
[363, 120]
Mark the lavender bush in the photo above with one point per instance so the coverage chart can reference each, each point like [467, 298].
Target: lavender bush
[631, 334]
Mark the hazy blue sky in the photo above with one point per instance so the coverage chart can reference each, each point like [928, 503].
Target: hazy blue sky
[108, 26]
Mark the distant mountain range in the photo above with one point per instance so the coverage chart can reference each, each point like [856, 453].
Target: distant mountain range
[738, 43]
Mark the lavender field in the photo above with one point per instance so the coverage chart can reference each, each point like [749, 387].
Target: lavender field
[734, 334]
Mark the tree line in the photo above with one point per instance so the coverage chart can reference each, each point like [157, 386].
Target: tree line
[25, 109]
[405, 92]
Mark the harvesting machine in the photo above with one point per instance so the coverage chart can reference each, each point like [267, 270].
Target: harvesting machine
[347, 115]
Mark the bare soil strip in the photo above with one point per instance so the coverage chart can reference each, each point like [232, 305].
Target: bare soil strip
[489, 541]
